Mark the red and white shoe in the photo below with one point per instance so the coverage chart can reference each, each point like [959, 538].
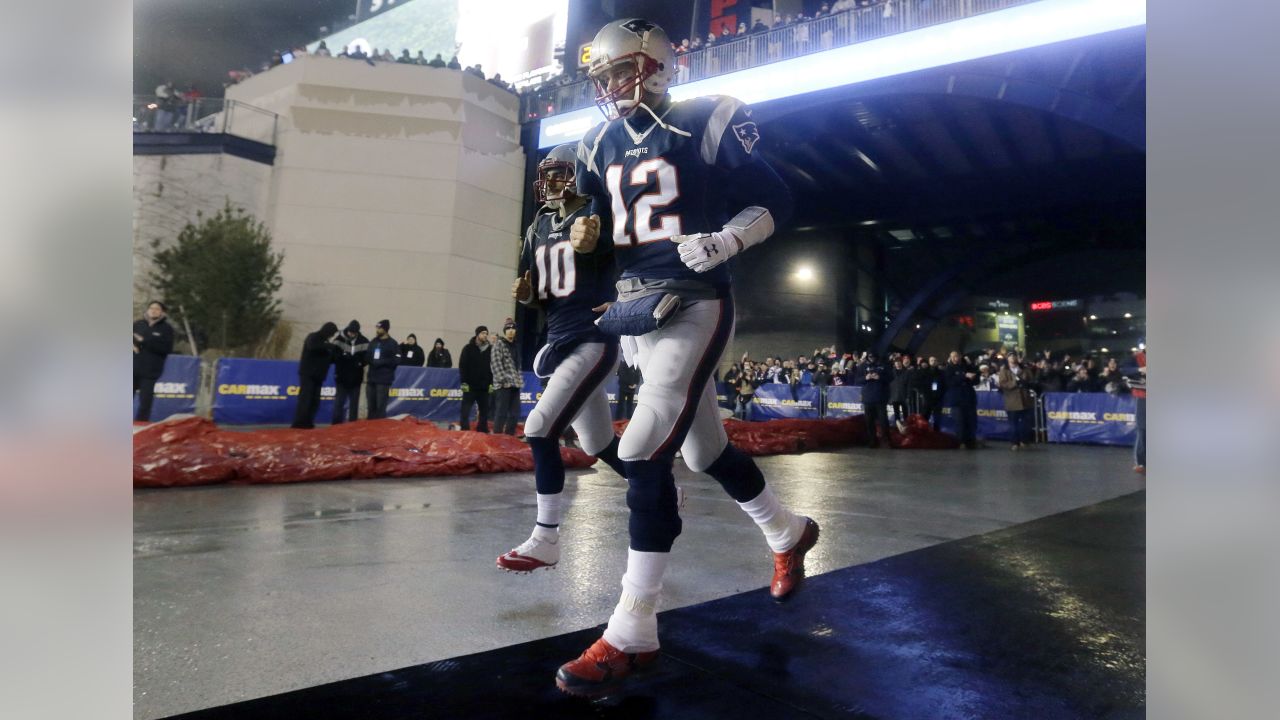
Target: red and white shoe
[531, 555]
[788, 567]
[601, 669]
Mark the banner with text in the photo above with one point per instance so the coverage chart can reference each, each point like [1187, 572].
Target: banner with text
[993, 421]
[1097, 418]
[176, 389]
[262, 392]
[777, 400]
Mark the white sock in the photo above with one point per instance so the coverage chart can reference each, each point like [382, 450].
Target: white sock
[633, 627]
[546, 534]
[549, 509]
[782, 528]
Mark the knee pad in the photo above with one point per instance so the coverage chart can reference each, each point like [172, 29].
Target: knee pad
[537, 424]
[700, 454]
[642, 437]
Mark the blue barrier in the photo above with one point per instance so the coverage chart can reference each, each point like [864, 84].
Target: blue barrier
[176, 389]
[262, 392]
[1097, 418]
[993, 421]
[776, 400]
[844, 401]
[265, 392]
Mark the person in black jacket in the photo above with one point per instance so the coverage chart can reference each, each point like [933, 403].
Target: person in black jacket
[958, 379]
[925, 385]
[874, 376]
[898, 390]
[411, 353]
[476, 375]
[439, 356]
[348, 373]
[318, 353]
[152, 343]
[384, 356]
[628, 384]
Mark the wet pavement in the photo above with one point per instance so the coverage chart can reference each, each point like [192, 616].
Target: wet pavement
[246, 592]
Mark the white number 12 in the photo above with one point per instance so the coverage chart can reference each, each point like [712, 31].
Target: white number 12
[666, 191]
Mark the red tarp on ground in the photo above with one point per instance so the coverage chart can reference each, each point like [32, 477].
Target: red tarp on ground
[194, 451]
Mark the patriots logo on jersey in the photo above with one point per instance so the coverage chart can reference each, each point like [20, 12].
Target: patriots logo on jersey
[638, 26]
[748, 134]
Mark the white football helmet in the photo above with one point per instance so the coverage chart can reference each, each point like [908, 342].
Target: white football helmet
[636, 41]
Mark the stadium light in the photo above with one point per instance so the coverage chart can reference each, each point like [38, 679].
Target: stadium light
[804, 273]
[992, 33]
[1128, 315]
[1093, 317]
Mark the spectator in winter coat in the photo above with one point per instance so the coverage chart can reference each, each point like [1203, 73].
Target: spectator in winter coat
[411, 353]
[628, 384]
[439, 356]
[504, 361]
[1014, 381]
[348, 373]
[384, 357]
[152, 344]
[926, 384]
[477, 375]
[959, 395]
[318, 354]
[875, 376]
[898, 391]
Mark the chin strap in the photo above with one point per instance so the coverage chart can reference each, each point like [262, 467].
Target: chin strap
[750, 227]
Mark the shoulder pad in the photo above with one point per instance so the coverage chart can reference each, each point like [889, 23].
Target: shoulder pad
[588, 146]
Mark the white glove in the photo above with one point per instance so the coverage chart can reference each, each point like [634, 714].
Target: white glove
[703, 251]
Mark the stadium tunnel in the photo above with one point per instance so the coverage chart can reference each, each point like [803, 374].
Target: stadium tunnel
[1018, 174]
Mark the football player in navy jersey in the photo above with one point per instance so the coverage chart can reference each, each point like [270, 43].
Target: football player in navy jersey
[677, 189]
[577, 358]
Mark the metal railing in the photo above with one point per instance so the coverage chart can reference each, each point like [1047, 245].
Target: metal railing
[753, 50]
[204, 115]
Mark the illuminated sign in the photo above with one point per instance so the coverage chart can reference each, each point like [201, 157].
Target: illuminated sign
[991, 33]
[1055, 304]
[584, 55]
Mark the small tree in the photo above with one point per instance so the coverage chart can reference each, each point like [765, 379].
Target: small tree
[222, 277]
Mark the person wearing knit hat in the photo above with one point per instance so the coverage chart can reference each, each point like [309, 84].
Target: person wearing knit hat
[439, 357]
[476, 377]
[384, 357]
[504, 360]
[348, 373]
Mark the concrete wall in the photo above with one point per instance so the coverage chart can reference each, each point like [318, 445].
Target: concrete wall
[396, 193]
[168, 191]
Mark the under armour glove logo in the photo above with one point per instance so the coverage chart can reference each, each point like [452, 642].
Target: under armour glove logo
[711, 250]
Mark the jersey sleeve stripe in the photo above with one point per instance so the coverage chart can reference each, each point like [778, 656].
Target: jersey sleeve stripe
[716, 126]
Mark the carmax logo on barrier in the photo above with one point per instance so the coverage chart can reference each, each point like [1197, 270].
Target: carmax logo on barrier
[451, 394]
[1120, 417]
[254, 390]
[172, 390]
[409, 393]
[1073, 416]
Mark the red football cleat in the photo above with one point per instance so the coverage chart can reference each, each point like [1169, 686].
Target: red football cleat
[788, 567]
[531, 555]
[601, 669]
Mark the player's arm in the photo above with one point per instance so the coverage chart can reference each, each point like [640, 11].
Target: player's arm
[594, 231]
[758, 198]
[526, 272]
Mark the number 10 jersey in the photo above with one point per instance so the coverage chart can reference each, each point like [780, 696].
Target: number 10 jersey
[566, 284]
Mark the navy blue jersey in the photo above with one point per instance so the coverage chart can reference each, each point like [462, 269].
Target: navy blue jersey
[566, 284]
[688, 174]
